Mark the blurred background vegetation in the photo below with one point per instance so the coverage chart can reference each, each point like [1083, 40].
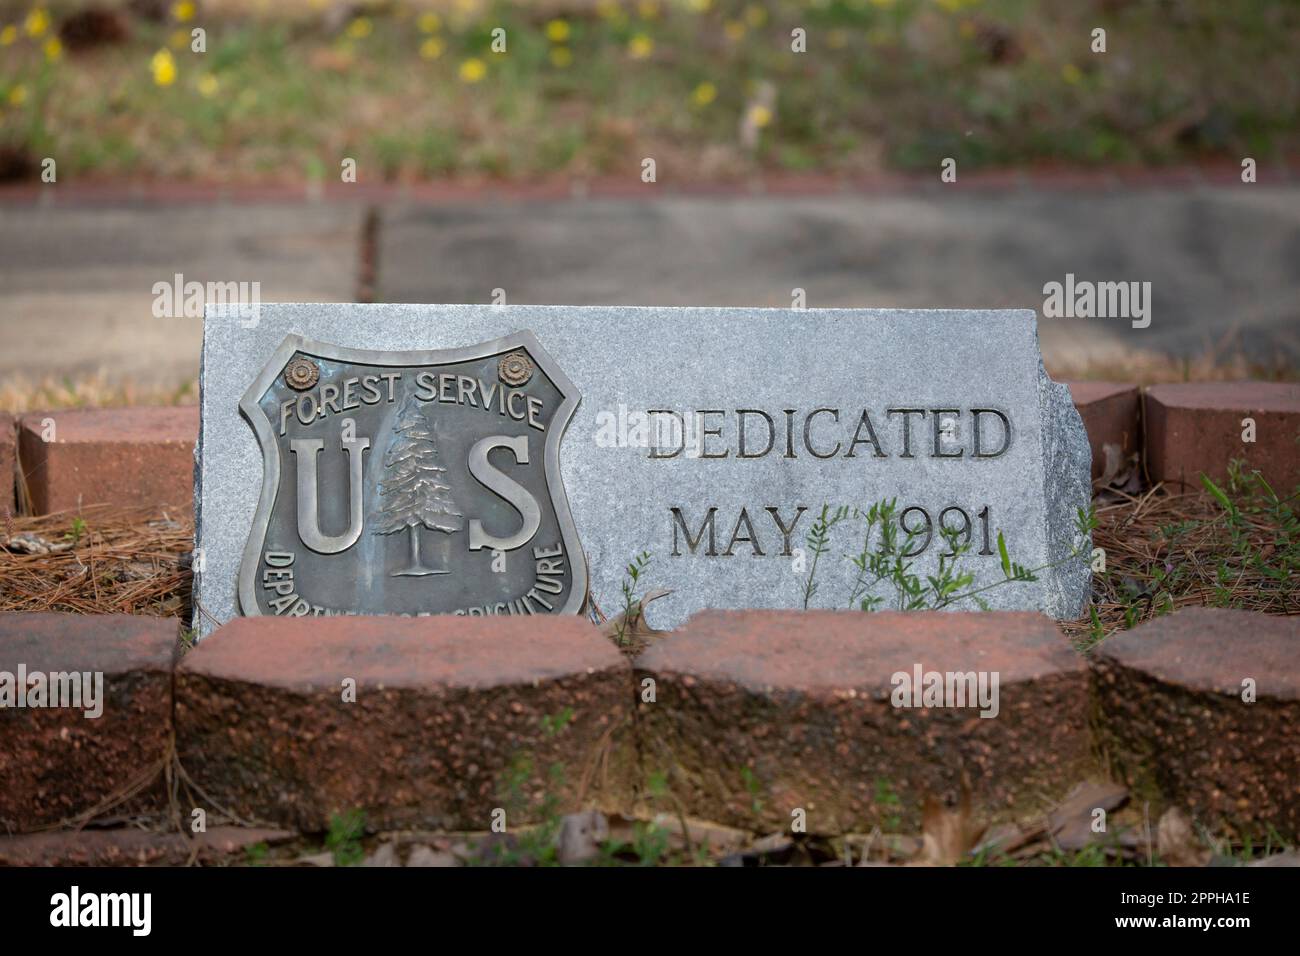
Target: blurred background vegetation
[413, 90]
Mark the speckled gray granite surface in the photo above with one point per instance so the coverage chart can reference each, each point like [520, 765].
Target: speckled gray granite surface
[707, 365]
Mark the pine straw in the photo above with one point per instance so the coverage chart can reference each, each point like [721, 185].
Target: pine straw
[1166, 551]
[136, 561]
[123, 561]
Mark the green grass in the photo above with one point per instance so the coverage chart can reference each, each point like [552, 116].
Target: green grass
[343, 840]
[885, 83]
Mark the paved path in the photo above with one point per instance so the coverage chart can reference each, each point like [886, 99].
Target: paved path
[75, 282]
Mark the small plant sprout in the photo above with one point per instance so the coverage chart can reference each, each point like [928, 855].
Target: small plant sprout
[884, 559]
[344, 837]
[78, 529]
[632, 604]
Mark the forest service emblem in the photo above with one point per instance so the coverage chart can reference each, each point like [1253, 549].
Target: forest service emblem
[412, 483]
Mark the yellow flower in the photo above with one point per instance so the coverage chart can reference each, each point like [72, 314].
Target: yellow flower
[561, 57]
[1071, 74]
[179, 39]
[431, 48]
[557, 31]
[53, 49]
[208, 85]
[609, 9]
[163, 67]
[640, 46]
[698, 6]
[8, 35]
[183, 11]
[473, 70]
[759, 116]
[734, 30]
[755, 15]
[648, 9]
[37, 22]
[18, 95]
[429, 23]
[360, 28]
[704, 94]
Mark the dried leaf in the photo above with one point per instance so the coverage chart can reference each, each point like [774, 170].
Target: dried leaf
[777, 849]
[714, 836]
[1114, 462]
[386, 855]
[1176, 841]
[1002, 838]
[26, 543]
[947, 836]
[581, 835]
[1070, 823]
[426, 857]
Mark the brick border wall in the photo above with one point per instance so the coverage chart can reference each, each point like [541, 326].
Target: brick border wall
[73, 458]
[144, 455]
[1040, 177]
[746, 715]
[8, 466]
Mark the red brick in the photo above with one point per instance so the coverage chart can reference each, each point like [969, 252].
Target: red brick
[761, 712]
[1169, 716]
[1110, 413]
[56, 763]
[8, 472]
[121, 456]
[447, 710]
[1196, 427]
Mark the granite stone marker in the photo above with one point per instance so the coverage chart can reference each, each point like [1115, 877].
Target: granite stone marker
[501, 459]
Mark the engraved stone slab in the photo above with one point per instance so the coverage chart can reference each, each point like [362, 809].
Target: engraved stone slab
[710, 438]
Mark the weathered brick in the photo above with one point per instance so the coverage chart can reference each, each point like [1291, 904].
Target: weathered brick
[56, 763]
[8, 446]
[1110, 416]
[1197, 427]
[121, 456]
[453, 717]
[761, 712]
[1170, 718]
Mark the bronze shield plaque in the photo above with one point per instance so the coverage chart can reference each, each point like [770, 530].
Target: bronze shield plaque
[422, 482]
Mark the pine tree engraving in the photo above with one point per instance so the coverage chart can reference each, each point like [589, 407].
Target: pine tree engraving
[414, 492]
